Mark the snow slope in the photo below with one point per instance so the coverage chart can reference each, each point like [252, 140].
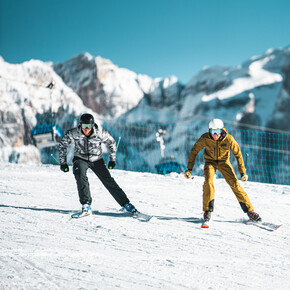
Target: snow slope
[41, 248]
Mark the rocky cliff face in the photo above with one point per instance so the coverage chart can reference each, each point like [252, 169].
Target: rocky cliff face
[24, 96]
[80, 74]
[112, 91]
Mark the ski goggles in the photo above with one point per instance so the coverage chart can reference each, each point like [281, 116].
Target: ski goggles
[87, 126]
[215, 131]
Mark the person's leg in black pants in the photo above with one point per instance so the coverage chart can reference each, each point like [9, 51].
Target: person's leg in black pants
[80, 168]
[100, 169]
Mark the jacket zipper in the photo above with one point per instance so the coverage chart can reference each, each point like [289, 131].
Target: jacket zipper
[217, 150]
[87, 139]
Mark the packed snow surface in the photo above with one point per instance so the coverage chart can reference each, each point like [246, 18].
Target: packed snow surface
[42, 248]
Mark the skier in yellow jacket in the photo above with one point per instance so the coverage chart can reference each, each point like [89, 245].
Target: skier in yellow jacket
[218, 143]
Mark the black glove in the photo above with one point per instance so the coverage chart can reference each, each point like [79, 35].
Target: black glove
[64, 168]
[111, 164]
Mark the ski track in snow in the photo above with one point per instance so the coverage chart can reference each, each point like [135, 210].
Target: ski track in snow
[42, 248]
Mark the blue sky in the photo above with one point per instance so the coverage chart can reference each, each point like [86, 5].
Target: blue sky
[154, 37]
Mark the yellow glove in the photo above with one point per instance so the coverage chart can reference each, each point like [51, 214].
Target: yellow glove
[187, 174]
[244, 177]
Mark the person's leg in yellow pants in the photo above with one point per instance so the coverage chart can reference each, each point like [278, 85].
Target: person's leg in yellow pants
[208, 187]
[228, 173]
[226, 169]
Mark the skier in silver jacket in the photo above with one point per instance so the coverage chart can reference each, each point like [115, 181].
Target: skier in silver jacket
[88, 138]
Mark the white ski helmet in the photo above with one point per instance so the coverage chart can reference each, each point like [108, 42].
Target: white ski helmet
[216, 124]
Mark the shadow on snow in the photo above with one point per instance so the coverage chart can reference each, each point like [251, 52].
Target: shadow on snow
[109, 214]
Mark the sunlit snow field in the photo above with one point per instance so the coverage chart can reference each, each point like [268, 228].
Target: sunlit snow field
[42, 248]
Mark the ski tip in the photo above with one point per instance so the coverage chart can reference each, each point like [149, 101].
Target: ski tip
[142, 216]
[267, 225]
[205, 226]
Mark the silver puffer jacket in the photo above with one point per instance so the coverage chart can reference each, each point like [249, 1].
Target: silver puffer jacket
[87, 148]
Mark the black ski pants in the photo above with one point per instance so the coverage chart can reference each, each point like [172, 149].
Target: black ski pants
[80, 168]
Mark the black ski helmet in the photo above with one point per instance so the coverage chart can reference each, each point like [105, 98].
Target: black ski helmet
[87, 119]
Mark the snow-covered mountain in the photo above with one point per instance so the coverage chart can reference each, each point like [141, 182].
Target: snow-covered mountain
[251, 93]
[86, 84]
[255, 93]
[112, 91]
[25, 98]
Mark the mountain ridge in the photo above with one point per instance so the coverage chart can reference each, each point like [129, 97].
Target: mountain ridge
[255, 93]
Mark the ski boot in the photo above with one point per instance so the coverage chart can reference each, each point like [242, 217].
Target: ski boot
[206, 216]
[254, 217]
[86, 209]
[130, 208]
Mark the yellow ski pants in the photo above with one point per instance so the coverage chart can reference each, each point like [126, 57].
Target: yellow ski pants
[226, 169]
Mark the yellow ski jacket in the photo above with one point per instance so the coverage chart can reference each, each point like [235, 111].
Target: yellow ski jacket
[218, 151]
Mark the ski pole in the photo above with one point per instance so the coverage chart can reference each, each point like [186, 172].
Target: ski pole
[57, 161]
[55, 158]
[118, 144]
[117, 148]
[246, 160]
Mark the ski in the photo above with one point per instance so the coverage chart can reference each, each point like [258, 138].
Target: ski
[142, 216]
[137, 215]
[271, 225]
[205, 224]
[265, 225]
[80, 214]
